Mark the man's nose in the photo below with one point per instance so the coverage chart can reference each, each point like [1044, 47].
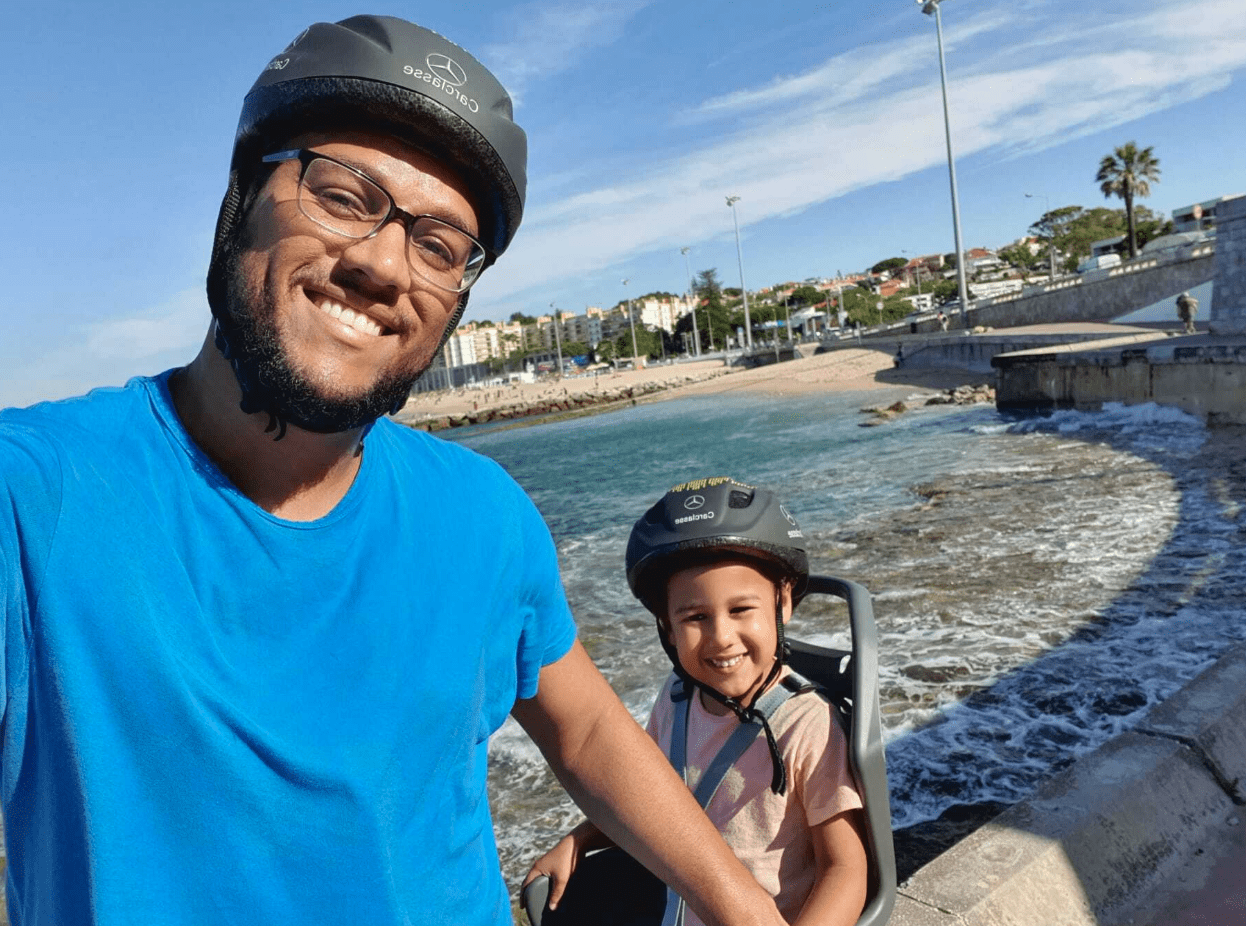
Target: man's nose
[382, 257]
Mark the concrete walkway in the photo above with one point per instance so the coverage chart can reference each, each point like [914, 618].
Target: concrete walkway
[1149, 830]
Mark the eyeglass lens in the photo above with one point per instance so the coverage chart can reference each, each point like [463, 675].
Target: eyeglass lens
[345, 202]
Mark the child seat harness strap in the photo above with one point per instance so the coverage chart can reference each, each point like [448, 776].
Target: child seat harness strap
[763, 710]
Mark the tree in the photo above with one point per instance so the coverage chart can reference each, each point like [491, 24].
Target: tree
[806, 295]
[1020, 256]
[522, 319]
[1128, 172]
[891, 263]
[604, 352]
[712, 318]
[1071, 230]
[944, 291]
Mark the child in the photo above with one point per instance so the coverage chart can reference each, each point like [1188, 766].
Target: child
[721, 565]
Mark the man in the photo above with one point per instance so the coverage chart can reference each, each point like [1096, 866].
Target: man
[256, 639]
[1187, 308]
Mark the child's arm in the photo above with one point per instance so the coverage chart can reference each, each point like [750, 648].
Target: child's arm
[838, 894]
[560, 862]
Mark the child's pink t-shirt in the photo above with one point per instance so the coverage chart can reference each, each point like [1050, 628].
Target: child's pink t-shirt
[769, 832]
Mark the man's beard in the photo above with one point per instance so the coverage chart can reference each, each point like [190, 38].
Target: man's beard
[286, 393]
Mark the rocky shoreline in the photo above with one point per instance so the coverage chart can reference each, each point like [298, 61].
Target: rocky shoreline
[961, 395]
[562, 405]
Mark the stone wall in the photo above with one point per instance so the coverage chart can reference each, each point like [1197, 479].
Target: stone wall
[1103, 295]
[961, 350]
[1204, 379]
[1228, 297]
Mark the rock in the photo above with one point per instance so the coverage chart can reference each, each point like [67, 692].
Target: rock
[936, 674]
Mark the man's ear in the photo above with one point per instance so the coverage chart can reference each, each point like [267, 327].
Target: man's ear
[785, 599]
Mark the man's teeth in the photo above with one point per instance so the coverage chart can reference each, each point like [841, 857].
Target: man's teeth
[350, 318]
[726, 663]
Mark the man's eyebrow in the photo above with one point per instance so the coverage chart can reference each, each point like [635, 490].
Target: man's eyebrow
[444, 215]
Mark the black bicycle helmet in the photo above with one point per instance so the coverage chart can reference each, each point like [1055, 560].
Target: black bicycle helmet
[713, 516]
[383, 74]
[709, 519]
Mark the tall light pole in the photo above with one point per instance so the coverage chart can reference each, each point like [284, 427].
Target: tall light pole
[557, 337]
[917, 272]
[632, 321]
[1051, 234]
[692, 298]
[931, 7]
[748, 325]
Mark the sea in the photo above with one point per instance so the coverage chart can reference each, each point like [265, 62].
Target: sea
[1038, 583]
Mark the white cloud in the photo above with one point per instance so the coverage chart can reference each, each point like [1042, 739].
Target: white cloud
[111, 351]
[1043, 83]
[551, 38]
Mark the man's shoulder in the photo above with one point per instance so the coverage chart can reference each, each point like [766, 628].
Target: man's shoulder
[86, 421]
[89, 410]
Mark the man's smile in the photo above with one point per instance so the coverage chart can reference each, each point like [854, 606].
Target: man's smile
[351, 318]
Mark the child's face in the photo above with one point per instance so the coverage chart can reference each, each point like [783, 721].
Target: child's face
[721, 622]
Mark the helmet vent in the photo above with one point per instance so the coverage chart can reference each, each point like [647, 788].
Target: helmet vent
[738, 499]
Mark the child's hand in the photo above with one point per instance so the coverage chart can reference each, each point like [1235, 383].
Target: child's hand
[559, 864]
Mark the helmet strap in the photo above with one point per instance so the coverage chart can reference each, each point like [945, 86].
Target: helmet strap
[744, 713]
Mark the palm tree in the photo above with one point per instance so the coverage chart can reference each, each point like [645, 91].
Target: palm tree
[1128, 172]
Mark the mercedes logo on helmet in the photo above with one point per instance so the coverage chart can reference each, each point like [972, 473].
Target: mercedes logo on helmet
[693, 502]
[447, 69]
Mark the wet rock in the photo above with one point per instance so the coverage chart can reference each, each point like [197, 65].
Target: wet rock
[934, 674]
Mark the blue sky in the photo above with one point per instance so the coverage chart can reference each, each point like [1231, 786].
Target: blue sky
[825, 118]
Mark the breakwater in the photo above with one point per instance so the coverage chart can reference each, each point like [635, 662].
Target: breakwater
[557, 402]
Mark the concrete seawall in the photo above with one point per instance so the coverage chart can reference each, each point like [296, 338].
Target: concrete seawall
[1129, 834]
[1204, 375]
[975, 352]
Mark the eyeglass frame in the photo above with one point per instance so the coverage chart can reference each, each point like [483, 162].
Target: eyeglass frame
[305, 157]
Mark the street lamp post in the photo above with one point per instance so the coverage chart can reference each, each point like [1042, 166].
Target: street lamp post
[917, 272]
[1051, 234]
[748, 326]
[557, 337]
[931, 7]
[632, 321]
[692, 299]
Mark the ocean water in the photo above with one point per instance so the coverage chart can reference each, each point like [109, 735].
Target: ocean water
[1038, 584]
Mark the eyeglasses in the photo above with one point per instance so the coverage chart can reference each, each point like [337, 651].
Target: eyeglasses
[349, 203]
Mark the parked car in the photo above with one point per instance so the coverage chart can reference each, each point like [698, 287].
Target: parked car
[1101, 262]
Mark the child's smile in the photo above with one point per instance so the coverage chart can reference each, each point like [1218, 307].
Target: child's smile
[722, 624]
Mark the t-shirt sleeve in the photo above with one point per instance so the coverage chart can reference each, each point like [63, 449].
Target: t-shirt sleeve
[548, 627]
[30, 478]
[823, 773]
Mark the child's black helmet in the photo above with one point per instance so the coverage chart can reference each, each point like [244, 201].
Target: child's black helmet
[708, 517]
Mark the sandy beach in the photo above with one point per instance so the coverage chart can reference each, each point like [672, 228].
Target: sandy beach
[846, 370]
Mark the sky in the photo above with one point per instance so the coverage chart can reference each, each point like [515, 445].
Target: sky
[825, 118]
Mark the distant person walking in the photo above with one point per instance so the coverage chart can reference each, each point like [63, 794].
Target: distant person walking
[1187, 308]
[942, 320]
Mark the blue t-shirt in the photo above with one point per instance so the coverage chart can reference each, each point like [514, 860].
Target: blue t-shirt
[213, 715]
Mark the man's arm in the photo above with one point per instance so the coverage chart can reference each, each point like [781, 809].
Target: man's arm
[623, 783]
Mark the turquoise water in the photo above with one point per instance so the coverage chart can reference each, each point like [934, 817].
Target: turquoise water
[1037, 585]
